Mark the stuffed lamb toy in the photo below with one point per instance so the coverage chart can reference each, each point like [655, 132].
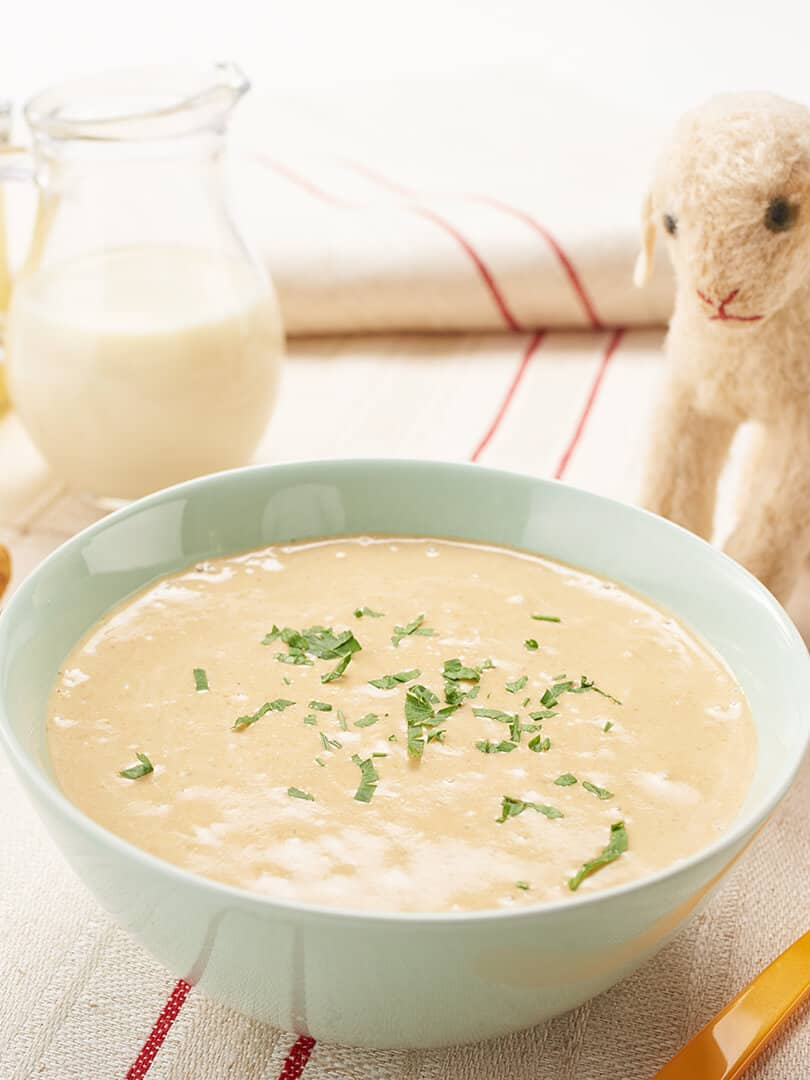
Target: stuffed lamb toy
[731, 194]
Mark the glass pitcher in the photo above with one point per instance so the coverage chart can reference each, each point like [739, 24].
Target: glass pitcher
[143, 342]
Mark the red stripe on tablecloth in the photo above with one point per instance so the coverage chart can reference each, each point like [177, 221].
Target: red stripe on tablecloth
[562, 256]
[168, 1014]
[511, 389]
[425, 212]
[296, 1060]
[593, 393]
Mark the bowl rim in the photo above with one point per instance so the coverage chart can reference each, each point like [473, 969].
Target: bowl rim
[737, 836]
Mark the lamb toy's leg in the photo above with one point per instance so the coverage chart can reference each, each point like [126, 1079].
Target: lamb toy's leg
[684, 459]
[772, 535]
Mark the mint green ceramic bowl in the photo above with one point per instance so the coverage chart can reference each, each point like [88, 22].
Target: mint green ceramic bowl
[394, 980]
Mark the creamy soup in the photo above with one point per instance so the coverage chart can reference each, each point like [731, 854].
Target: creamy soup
[401, 724]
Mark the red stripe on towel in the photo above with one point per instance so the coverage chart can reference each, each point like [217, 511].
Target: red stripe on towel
[517, 378]
[593, 393]
[475, 257]
[563, 258]
[296, 1060]
[168, 1014]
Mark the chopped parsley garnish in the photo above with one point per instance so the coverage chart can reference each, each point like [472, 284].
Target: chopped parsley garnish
[341, 719]
[538, 744]
[513, 807]
[367, 720]
[297, 793]
[546, 618]
[320, 706]
[388, 682]
[337, 671]
[486, 746]
[200, 679]
[419, 712]
[531, 644]
[617, 846]
[518, 684]
[368, 778]
[496, 714]
[522, 884]
[135, 772]
[436, 736]
[565, 780]
[329, 744]
[362, 611]
[321, 762]
[287, 680]
[542, 714]
[455, 670]
[413, 627]
[608, 726]
[569, 687]
[310, 718]
[392, 737]
[525, 702]
[486, 665]
[317, 641]
[279, 705]
[599, 792]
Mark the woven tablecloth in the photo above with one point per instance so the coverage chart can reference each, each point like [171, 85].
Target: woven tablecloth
[80, 1001]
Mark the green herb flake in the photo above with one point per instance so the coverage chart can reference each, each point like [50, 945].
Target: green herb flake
[419, 702]
[486, 746]
[599, 792]
[525, 702]
[617, 845]
[367, 720]
[608, 726]
[413, 627]
[454, 670]
[486, 665]
[542, 714]
[368, 779]
[310, 718]
[321, 762]
[297, 793]
[523, 885]
[538, 744]
[511, 808]
[287, 680]
[329, 744]
[337, 671]
[320, 706]
[361, 612]
[531, 644]
[547, 618]
[437, 736]
[135, 772]
[296, 657]
[552, 694]
[565, 780]
[379, 753]
[341, 719]
[274, 634]
[586, 684]
[279, 705]
[496, 714]
[389, 682]
[200, 679]
[518, 684]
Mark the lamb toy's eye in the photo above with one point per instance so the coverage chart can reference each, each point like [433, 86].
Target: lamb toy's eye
[670, 224]
[780, 215]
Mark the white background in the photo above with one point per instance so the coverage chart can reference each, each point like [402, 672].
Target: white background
[651, 53]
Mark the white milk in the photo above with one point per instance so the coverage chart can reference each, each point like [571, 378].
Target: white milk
[137, 368]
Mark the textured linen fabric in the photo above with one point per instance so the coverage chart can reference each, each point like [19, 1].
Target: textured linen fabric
[80, 999]
[498, 199]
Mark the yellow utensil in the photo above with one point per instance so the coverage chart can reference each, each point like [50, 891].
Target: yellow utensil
[5, 569]
[728, 1044]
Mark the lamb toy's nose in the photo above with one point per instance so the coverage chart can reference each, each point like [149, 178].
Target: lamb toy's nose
[719, 309]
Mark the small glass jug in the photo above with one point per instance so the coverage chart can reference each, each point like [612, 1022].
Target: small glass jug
[143, 342]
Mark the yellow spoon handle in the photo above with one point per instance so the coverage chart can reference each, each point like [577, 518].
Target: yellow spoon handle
[729, 1042]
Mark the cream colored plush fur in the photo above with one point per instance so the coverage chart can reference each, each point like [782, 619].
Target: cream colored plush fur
[735, 180]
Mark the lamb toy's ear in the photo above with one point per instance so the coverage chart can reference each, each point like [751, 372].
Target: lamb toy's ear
[644, 261]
